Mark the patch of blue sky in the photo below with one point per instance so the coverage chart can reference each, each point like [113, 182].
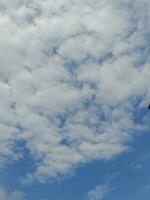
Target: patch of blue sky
[49, 51]
[138, 112]
[11, 175]
[143, 53]
[72, 65]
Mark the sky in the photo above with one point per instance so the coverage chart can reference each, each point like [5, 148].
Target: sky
[74, 95]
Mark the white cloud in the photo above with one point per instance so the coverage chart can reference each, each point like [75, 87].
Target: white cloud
[99, 192]
[71, 74]
[15, 195]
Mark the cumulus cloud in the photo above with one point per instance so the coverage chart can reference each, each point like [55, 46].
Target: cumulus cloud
[15, 195]
[72, 75]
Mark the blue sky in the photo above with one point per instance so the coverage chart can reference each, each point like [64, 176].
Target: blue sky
[74, 91]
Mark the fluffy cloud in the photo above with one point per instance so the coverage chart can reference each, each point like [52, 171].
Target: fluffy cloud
[72, 75]
[15, 195]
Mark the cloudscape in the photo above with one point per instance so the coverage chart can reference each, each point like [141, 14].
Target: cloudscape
[74, 96]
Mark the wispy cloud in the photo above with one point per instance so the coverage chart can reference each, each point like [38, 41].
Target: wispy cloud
[99, 192]
[15, 195]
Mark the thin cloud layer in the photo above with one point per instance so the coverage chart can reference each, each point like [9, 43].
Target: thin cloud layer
[72, 75]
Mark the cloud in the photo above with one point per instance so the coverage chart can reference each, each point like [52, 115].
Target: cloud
[98, 193]
[72, 76]
[15, 195]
